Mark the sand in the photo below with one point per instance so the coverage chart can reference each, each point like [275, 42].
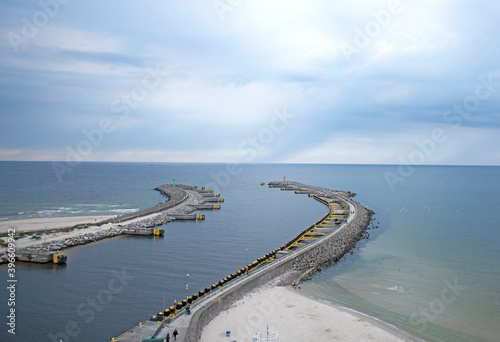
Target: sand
[57, 223]
[48, 223]
[294, 317]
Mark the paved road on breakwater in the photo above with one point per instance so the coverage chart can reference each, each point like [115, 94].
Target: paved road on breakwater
[319, 252]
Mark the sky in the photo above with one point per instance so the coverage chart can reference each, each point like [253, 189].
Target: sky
[251, 81]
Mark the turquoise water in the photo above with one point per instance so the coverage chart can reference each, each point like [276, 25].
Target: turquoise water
[431, 268]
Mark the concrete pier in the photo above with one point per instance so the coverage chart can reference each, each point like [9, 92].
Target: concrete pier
[34, 257]
[136, 333]
[185, 217]
[206, 207]
[212, 199]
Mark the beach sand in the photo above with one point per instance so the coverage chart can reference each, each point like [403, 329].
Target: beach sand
[52, 223]
[295, 317]
[48, 223]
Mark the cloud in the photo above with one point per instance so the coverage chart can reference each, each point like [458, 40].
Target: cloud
[478, 144]
[225, 79]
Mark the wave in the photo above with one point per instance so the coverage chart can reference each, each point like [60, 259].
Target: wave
[396, 288]
[123, 210]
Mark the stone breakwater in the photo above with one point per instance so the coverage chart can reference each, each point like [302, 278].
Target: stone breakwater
[176, 195]
[151, 222]
[182, 200]
[42, 250]
[297, 264]
[336, 244]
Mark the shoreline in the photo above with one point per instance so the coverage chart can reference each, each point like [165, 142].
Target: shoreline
[50, 223]
[369, 318]
[49, 235]
[297, 316]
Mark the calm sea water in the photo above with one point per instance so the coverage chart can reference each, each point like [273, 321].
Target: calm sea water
[431, 268]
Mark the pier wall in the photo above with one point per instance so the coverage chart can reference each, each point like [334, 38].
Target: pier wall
[334, 246]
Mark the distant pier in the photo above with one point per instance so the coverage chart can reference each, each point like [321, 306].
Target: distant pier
[182, 201]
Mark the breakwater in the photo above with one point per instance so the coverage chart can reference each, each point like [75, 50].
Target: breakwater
[181, 201]
[176, 195]
[303, 260]
[322, 243]
[42, 252]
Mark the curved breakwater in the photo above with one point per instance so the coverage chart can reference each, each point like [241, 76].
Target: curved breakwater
[181, 201]
[301, 261]
[322, 243]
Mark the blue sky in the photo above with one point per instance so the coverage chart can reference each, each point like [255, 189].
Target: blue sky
[316, 81]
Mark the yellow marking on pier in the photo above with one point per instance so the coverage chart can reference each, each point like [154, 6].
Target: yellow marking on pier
[316, 233]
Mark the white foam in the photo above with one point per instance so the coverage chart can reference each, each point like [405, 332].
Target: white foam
[396, 288]
[123, 210]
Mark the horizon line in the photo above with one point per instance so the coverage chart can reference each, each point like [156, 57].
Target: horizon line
[237, 163]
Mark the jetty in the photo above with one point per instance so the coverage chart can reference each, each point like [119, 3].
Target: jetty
[317, 246]
[143, 231]
[182, 201]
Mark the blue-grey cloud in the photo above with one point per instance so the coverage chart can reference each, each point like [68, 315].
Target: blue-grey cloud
[222, 80]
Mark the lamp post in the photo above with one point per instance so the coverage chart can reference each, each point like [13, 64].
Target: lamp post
[187, 285]
[246, 256]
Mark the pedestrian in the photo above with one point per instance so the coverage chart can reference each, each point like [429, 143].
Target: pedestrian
[254, 338]
[246, 269]
[175, 303]
[175, 333]
[167, 339]
[188, 309]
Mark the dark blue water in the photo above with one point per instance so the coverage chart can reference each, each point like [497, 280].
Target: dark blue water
[437, 228]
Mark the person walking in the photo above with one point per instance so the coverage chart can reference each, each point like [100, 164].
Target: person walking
[175, 333]
[167, 339]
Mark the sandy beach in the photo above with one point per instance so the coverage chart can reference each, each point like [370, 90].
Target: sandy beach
[48, 223]
[54, 225]
[295, 317]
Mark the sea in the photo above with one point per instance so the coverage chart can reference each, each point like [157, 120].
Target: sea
[431, 267]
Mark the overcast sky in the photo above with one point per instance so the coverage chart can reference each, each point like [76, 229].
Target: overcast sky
[301, 81]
